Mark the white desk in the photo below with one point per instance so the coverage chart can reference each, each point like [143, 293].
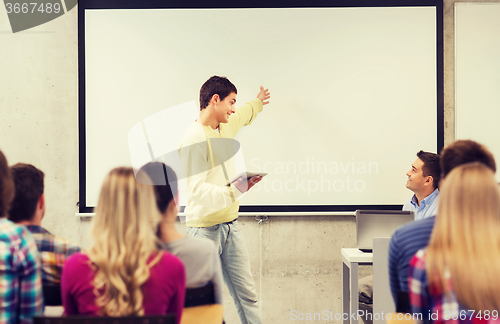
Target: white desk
[351, 258]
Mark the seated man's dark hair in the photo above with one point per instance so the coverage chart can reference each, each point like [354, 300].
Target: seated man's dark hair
[215, 85]
[28, 182]
[465, 151]
[6, 186]
[431, 166]
[164, 182]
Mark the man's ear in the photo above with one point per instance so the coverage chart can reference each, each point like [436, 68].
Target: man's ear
[215, 99]
[41, 201]
[41, 204]
[429, 180]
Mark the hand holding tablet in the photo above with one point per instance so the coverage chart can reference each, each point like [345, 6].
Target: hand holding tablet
[246, 180]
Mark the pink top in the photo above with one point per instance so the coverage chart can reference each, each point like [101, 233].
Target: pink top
[163, 292]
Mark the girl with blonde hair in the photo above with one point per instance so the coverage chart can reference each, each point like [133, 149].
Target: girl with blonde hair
[455, 278]
[124, 272]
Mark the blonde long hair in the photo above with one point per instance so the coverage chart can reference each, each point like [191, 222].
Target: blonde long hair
[124, 240]
[465, 242]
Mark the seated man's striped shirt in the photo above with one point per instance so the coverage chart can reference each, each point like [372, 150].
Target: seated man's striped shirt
[405, 242]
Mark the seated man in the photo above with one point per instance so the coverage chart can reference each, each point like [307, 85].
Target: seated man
[21, 282]
[410, 238]
[28, 208]
[423, 180]
[199, 255]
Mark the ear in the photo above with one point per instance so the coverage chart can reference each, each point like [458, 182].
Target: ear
[177, 203]
[41, 204]
[41, 201]
[429, 180]
[172, 205]
[215, 99]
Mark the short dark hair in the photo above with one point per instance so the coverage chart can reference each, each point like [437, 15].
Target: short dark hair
[465, 151]
[431, 166]
[28, 181]
[6, 186]
[215, 85]
[164, 182]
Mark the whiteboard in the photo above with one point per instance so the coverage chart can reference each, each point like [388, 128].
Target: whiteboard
[477, 74]
[353, 93]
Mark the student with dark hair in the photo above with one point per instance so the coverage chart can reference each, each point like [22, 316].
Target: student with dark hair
[28, 209]
[465, 151]
[423, 180]
[212, 207]
[410, 238]
[200, 258]
[216, 85]
[21, 286]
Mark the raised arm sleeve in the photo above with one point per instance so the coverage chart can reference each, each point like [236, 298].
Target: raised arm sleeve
[245, 115]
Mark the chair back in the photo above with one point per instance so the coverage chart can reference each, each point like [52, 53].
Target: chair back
[200, 296]
[382, 297]
[403, 302]
[52, 294]
[204, 314]
[200, 306]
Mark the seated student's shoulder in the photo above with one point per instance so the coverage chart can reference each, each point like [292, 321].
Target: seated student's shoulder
[203, 256]
[64, 246]
[203, 245]
[196, 249]
[170, 261]
[9, 229]
[75, 261]
[419, 226]
[76, 270]
[17, 237]
[411, 237]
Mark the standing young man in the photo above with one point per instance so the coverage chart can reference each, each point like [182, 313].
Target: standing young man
[212, 208]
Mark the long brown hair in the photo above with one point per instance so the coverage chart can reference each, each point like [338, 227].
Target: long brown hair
[465, 242]
[124, 241]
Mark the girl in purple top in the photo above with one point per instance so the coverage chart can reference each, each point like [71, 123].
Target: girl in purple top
[123, 272]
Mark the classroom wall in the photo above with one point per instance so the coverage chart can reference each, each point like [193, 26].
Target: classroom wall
[295, 260]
